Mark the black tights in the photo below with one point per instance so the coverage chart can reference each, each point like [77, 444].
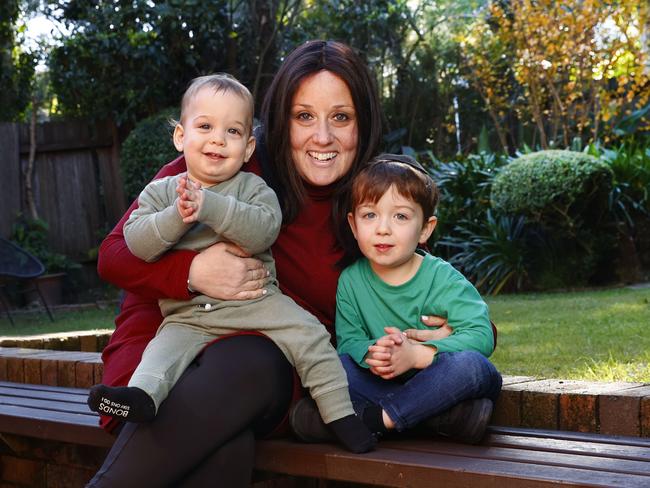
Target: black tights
[204, 432]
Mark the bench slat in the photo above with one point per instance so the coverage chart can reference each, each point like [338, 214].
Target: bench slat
[568, 459]
[45, 388]
[72, 418]
[49, 404]
[566, 446]
[45, 424]
[400, 468]
[42, 395]
[574, 436]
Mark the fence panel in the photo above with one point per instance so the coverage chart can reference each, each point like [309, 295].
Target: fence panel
[10, 170]
[77, 186]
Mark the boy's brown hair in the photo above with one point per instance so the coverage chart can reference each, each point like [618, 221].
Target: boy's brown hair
[410, 179]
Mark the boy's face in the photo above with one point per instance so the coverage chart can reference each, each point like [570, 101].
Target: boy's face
[214, 136]
[389, 231]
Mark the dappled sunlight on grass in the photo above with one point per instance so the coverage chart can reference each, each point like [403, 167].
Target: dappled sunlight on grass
[611, 369]
[595, 335]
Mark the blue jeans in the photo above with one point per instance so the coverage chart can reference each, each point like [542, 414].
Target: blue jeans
[452, 378]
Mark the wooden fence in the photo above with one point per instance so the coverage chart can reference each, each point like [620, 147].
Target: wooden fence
[77, 185]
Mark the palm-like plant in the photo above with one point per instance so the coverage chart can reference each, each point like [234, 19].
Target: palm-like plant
[493, 254]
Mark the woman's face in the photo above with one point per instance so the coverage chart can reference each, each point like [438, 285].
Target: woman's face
[323, 129]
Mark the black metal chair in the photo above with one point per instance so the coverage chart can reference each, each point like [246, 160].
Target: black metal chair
[16, 264]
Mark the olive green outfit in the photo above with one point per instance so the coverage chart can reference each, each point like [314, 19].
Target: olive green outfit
[245, 211]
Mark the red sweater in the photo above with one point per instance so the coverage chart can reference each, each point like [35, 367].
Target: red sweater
[305, 255]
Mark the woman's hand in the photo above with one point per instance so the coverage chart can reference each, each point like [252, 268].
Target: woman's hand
[442, 330]
[393, 355]
[226, 272]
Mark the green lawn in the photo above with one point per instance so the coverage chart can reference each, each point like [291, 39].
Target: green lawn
[596, 335]
[37, 322]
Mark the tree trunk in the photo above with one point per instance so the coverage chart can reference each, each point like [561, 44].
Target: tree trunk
[29, 170]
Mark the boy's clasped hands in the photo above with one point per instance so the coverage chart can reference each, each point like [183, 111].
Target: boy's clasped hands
[190, 198]
[398, 352]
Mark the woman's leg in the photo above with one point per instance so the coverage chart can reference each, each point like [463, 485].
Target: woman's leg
[236, 383]
[230, 465]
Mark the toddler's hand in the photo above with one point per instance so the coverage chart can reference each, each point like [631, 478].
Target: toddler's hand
[190, 198]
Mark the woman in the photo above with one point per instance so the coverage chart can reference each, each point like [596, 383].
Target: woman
[323, 122]
[326, 124]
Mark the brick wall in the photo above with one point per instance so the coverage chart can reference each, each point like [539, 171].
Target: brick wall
[613, 408]
[91, 341]
[29, 462]
[53, 368]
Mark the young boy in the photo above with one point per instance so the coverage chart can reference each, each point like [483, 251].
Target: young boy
[216, 202]
[382, 297]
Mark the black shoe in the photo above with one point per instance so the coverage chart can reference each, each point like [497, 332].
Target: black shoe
[465, 422]
[306, 422]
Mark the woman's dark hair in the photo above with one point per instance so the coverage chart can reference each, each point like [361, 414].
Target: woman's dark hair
[306, 60]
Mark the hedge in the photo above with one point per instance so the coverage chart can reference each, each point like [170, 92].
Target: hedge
[549, 182]
[146, 149]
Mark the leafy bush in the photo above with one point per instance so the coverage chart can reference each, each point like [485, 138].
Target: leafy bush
[567, 194]
[146, 149]
[31, 235]
[552, 184]
[464, 188]
[494, 254]
[630, 163]
[629, 203]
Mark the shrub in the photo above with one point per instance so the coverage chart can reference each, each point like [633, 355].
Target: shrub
[493, 253]
[31, 235]
[553, 184]
[464, 189]
[630, 163]
[145, 150]
[567, 194]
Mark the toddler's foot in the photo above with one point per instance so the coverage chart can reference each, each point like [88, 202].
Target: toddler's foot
[353, 434]
[465, 422]
[122, 402]
[308, 426]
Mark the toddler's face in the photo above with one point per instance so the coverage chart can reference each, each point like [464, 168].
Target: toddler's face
[389, 231]
[214, 136]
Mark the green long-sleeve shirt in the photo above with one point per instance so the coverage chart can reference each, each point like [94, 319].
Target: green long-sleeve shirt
[365, 305]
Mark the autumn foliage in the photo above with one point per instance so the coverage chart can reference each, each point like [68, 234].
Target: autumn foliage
[563, 69]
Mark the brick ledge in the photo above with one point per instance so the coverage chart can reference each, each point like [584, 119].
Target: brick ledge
[83, 340]
[612, 408]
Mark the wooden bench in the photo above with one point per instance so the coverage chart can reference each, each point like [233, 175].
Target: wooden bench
[51, 438]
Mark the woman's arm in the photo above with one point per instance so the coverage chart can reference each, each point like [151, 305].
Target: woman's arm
[468, 317]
